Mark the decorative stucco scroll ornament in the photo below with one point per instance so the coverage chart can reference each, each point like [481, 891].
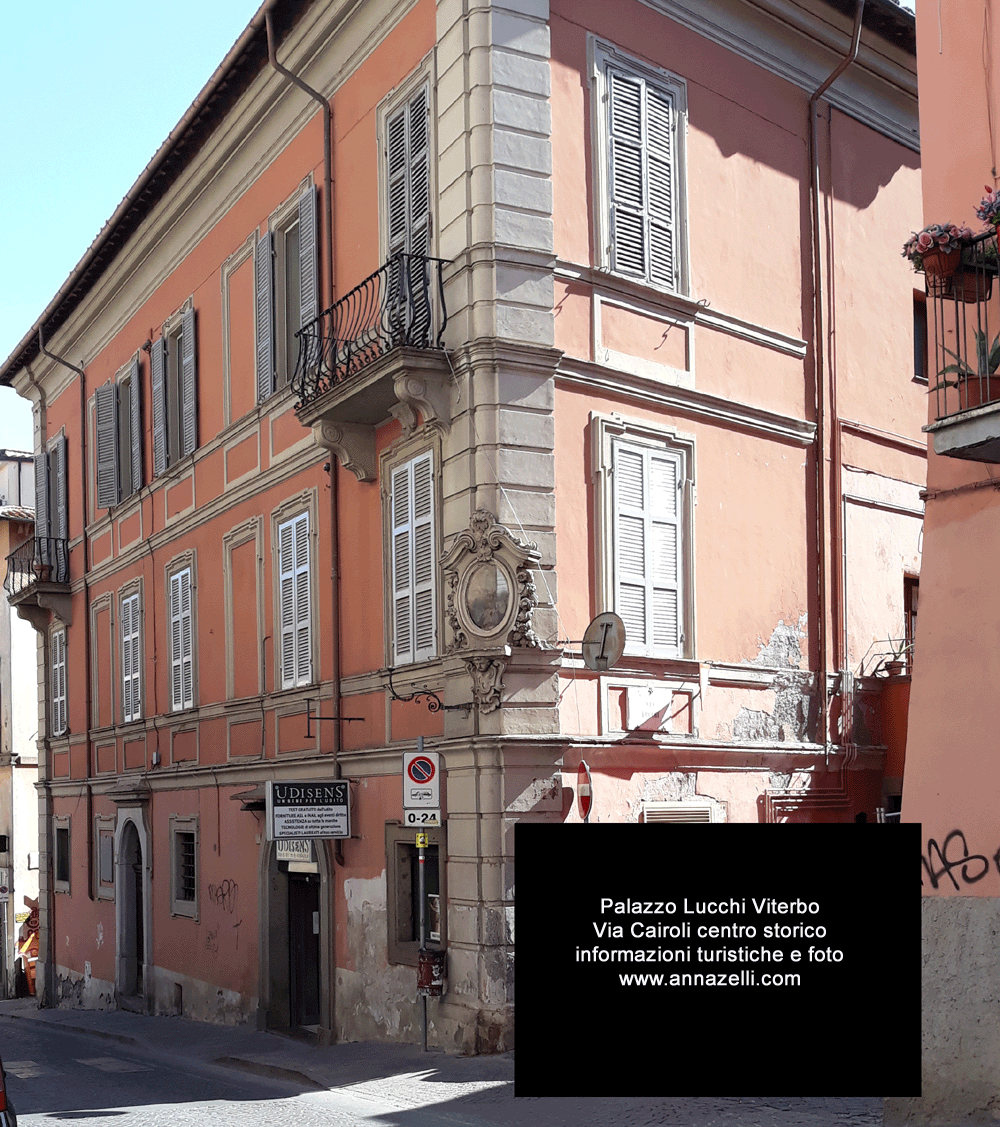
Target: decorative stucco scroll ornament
[491, 592]
[487, 683]
[353, 444]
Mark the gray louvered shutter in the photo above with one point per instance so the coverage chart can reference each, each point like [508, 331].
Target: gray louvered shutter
[189, 401]
[181, 641]
[303, 632]
[263, 270]
[42, 507]
[131, 659]
[106, 403]
[135, 423]
[419, 201]
[647, 502]
[308, 260]
[60, 494]
[641, 178]
[396, 165]
[158, 384]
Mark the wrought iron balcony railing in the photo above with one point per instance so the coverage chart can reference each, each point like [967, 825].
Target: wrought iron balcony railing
[400, 305]
[966, 331]
[44, 559]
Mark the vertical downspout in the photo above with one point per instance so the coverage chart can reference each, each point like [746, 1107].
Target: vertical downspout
[334, 474]
[86, 597]
[821, 389]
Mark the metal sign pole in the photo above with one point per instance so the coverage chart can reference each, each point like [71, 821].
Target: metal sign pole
[422, 897]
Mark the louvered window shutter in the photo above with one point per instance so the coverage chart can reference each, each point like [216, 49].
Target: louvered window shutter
[189, 402]
[60, 495]
[397, 152]
[131, 659]
[418, 176]
[263, 269]
[641, 179]
[59, 710]
[414, 585]
[402, 567]
[106, 401]
[295, 602]
[181, 641]
[308, 261]
[424, 600]
[135, 423]
[158, 382]
[647, 505]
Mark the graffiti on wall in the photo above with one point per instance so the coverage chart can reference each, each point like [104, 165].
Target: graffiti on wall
[952, 861]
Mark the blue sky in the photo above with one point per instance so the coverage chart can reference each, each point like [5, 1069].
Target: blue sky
[89, 91]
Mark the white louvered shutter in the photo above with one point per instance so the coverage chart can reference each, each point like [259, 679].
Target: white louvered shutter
[59, 709]
[397, 152]
[295, 602]
[131, 659]
[641, 179]
[408, 175]
[158, 384]
[181, 641]
[106, 403]
[135, 423]
[647, 485]
[263, 272]
[189, 388]
[308, 261]
[414, 574]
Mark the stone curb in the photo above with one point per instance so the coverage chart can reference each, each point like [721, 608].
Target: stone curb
[121, 1038]
[273, 1071]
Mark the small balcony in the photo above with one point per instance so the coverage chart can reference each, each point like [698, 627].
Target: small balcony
[373, 355]
[965, 375]
[37, 580]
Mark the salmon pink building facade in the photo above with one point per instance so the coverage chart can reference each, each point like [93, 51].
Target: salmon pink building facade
[951, 776]
[433, 331]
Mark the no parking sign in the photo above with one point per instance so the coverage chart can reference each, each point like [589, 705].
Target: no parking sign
[421, 779]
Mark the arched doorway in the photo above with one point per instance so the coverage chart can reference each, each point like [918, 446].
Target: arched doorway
[131, 916]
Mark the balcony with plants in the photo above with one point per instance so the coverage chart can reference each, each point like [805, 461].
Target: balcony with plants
[376, 353]
[964, 322]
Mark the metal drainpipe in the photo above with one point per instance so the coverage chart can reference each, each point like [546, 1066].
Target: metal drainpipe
[338, 852]
[86, 596]
[821, 391]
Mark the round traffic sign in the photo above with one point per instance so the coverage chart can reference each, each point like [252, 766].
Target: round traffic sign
[421, 769]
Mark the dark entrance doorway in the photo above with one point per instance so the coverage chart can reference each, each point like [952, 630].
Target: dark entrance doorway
[132, 930]
[303, 949]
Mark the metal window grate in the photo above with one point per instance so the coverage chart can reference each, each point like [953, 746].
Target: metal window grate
[186, 876]
[677, 812]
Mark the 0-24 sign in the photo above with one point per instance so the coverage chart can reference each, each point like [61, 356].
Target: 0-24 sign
[421, 818]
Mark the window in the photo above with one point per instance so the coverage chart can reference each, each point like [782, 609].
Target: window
[413, 554]
[645, 554]
[181, 641]
[184, 866]
[911, 597]
[61, 859]
[119, 437]
[131, 656]
[639, 133]
[104, 859]
[403, 877]
[58, 714]
[407, 176]
[920, 337]
[286, 290]
[52, 509]
[173, 378]
[295, 602]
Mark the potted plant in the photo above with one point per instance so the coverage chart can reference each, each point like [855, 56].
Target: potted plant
[989, 208]
[936, 252]
[981, 382]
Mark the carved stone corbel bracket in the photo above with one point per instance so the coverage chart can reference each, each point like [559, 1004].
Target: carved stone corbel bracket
[352, 443]
[429, 393]
[404, 414]
[487, 682]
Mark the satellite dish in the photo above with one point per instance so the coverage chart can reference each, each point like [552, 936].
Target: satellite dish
[604, 642]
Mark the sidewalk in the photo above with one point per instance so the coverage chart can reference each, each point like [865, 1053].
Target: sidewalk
[463, 1090]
